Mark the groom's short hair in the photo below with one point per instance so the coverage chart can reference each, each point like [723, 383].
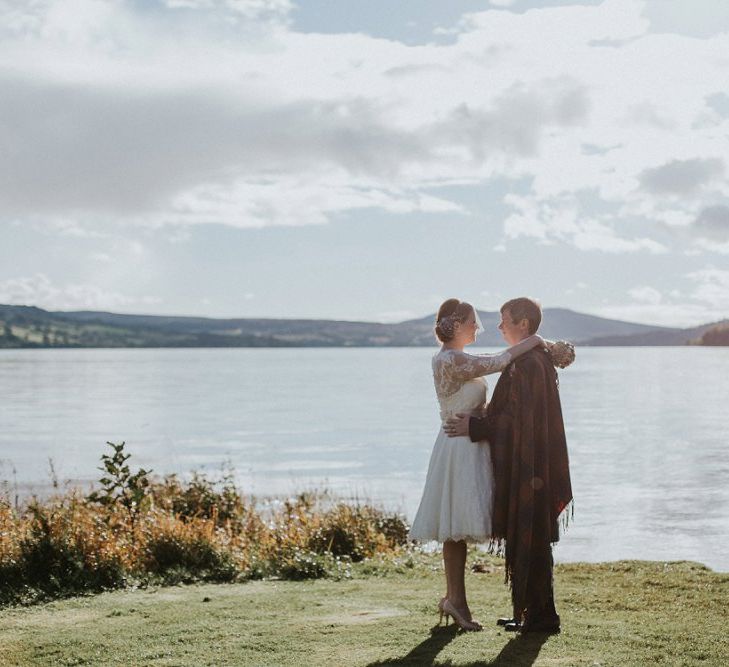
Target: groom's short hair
[524, 308]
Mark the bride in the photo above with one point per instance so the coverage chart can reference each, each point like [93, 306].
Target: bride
[457, 498]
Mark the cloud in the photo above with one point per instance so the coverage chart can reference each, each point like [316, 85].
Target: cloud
[71, 149]
[709, 246]
[85, 21]
[713, 223]
[667, 314]
[706, 300]
[681, 177]
[196, 111]
[292, 201]
[719, 102]
[561, 219]
[712, 287]
[39, 290]
[700, 19]
[516, 121]
[647, 114]
[415, 70]
[646, 294]
[167, 156]
[595, 235]
[249, 9]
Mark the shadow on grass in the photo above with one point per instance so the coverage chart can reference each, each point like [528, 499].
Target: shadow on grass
[424, 653]
[521, 651]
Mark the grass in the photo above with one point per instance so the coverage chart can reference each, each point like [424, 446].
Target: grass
[623, 613]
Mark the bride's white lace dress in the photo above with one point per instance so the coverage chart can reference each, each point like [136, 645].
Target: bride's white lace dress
[458, 495]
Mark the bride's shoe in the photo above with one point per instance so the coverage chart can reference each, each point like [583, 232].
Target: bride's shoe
[442, 612]
[449, 610]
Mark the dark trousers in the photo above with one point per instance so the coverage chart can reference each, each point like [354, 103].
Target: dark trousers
[540, 587]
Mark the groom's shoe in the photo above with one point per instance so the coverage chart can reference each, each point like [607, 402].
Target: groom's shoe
[505, 621]
[547, 625]
[512, 626]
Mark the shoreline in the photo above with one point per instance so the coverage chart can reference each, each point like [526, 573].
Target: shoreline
[45, 491]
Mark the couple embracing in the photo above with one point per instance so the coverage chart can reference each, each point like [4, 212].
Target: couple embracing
[499, 471]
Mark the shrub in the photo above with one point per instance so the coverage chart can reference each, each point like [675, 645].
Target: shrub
[357, 532]
[119, 487]
[60, 553]
[200, 497]
[297, 564]
[394, 528]
[186, 551]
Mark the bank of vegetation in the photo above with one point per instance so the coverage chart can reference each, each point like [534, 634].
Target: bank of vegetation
[136, 529]
[717, 335]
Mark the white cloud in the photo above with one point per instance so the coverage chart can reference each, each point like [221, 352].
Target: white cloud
[217, 111]
[250, 9]
[699, 19]
[674, 314]
[712, 287]
[646, 294]
[708, 246]
[39, 290]
[291, 201]
[594, 235]
[706, 300]
[561, 219]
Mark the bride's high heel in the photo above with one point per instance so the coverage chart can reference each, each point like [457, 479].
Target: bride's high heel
[442, 612]
[448, 609]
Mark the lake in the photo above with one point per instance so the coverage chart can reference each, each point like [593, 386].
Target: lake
[647, 430]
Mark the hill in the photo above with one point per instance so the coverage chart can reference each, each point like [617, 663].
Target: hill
[29, 326]
[717, 334]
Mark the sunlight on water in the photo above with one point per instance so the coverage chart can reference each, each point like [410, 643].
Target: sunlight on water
[646, 430]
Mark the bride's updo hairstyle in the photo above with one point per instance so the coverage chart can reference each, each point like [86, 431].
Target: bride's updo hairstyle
[450, 312]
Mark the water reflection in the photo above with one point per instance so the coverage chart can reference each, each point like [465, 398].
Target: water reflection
[646, 430]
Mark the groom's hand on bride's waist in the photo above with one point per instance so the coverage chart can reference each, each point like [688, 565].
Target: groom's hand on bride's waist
[458, 425]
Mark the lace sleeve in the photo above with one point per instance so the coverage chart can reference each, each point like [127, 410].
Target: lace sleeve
[468, 366]
[451, 369]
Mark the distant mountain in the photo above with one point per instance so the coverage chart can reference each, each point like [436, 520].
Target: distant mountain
[556, 323]
[658, 337]
[28, 326]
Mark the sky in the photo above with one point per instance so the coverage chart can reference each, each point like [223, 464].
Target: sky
[365, 160]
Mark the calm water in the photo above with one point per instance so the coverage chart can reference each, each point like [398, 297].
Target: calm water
[647, 430]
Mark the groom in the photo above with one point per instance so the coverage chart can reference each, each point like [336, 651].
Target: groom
[524, 427]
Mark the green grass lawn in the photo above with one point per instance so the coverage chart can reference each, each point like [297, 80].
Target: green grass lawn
[624, 613]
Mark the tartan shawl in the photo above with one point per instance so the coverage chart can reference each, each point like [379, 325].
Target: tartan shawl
[531, 466]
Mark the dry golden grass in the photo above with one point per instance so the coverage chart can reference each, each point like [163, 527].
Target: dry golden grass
[182, 532]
